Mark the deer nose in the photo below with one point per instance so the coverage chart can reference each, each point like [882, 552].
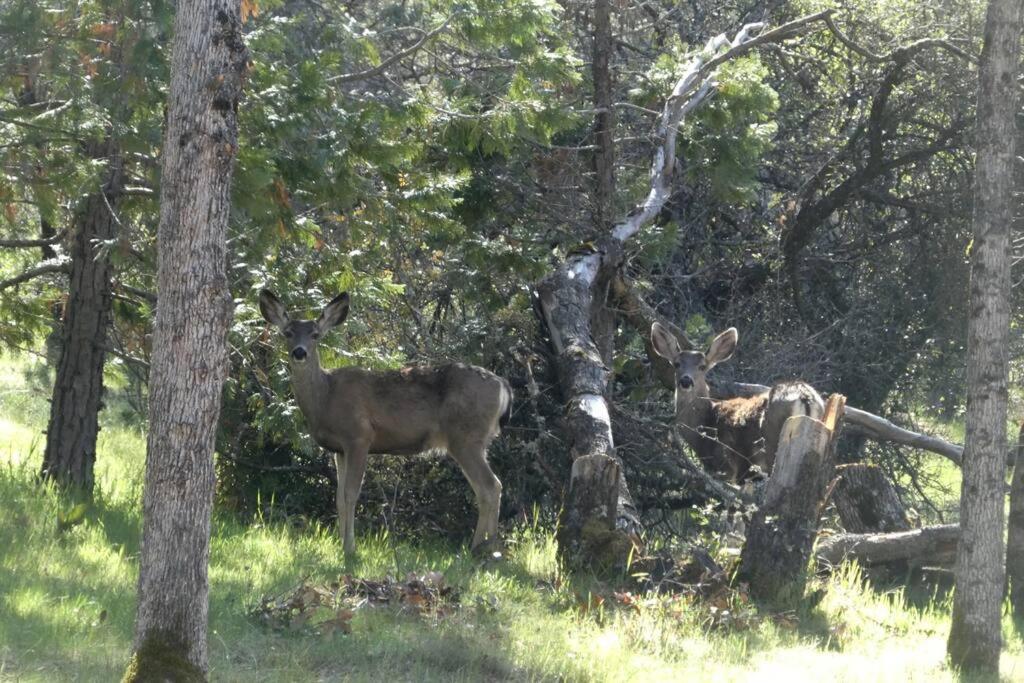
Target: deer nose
[686, 381]
[299, 353]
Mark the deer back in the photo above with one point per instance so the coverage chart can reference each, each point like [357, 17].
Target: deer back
[414, 409]
[734, 436]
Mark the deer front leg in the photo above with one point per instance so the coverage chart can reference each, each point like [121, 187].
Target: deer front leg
[348, 493]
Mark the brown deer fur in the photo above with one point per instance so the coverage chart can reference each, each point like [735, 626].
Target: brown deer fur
[354, 412]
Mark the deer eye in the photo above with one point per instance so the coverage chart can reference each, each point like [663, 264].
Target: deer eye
[315, 335]
[289, 334]
[703, 368]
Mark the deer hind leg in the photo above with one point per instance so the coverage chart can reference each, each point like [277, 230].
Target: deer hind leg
[472, 458]
[350, 481]
[339, 494]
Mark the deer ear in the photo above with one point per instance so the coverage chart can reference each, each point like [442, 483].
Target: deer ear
[664, 342]
[272, 309]
[334, 313]
[722, 347]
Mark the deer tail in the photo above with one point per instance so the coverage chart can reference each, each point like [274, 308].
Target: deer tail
[506, 397]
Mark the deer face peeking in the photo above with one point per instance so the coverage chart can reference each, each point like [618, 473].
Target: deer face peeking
[729, 436]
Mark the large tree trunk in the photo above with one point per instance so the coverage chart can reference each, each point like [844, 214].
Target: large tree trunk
[189, 362]
[782, 532]
[975, 637]
[1015, 533]
[78, 388]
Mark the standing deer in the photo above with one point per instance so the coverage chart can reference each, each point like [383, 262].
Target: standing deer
[354, 412]
[735, 434]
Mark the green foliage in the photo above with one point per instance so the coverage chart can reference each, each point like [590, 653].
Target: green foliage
[729, 136]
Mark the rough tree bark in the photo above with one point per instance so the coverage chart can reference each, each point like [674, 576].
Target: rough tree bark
[209, 62]
[1015, 533]
[70, 454]
[567, 299]
[867, 501]
[782, 532]
[975, 637]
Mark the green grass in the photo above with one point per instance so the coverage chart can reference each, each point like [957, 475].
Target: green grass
[67, 600]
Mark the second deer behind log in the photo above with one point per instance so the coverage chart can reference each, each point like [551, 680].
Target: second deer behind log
[730, 436]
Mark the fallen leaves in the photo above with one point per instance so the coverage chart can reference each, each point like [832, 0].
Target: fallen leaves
[327, 609]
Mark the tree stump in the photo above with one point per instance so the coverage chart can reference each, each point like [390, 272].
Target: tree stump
[782, 532]
[587, 528]
[867, 501]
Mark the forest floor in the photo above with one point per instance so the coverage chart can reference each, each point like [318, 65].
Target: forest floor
[284, 607]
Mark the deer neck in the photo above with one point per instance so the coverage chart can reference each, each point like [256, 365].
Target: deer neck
[309, 384]
[692, 414]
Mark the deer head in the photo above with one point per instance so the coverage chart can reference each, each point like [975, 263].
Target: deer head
[303, 335]
[692, 366]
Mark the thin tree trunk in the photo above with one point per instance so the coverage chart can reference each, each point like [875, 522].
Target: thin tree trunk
[189, 362]
[1015, 533]
[604, 121]
[70, 454]
[975, 636]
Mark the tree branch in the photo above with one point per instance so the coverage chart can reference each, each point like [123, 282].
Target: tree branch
[145, 295]
[383, 66]
[20, 244]
[904, 51]
[61, 267]
[690, 90]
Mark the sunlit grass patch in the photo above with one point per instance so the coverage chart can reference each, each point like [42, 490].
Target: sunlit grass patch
[67, 599]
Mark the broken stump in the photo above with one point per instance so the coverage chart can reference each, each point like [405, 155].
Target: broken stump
[781, 534]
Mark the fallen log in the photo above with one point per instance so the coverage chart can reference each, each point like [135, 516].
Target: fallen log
[781, 535]
[928, 546]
